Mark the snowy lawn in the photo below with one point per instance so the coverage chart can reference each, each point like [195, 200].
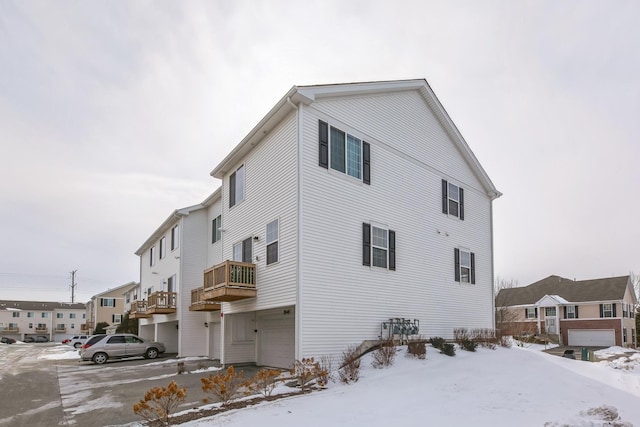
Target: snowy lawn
[501, 387]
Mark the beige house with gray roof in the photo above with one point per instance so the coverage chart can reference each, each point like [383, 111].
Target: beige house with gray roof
[598, 312]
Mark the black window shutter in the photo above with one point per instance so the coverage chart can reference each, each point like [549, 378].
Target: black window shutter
[366, 163]
[473, 268]
[366, 244]
[213, 230]
[461, 195]
[565, 311]
[445, 197]
[576, 311]
[392, 250]
[246, 250]
[526, 313]
[323, 158]
[614, 310]
[232, 190]
[601, 310]
[456, 259]
[536, 312]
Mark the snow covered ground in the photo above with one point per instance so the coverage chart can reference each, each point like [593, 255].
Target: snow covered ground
[501, 387]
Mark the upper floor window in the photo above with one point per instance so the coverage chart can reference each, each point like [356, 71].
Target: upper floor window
[152, 256]
[84, 315]
[171, 284]
[15, 314]
[571, 312]
[344, 152]
[465, 266]
[216, 226]
[44, 315]
[116, 318]
[29, 313]
[175, 234]
[72, 315]
[163, 247]
[549, 311]
[452, 199]
[531, 312]
[607, 310]
[273, 234]
[107, 302]
[242, 251]
[59, 315]
[378, 247]
[236, 186]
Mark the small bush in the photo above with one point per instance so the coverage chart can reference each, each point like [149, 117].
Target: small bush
[437, 342]
[350, 370]
[448, 349]
[468, 345]
[160, 402]
[417, 349]
[384, 355]
[326, 367]
[181, 368]
[264, 382]
[223, 386]
[307, 370]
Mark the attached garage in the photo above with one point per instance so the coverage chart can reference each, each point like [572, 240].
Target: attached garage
[592, 337]
[277, 341]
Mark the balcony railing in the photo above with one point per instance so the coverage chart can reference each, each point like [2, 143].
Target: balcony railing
[161, 303]
[138, 310]
[11, 329]
[199, 304]
[42, 329]
[230, 281]
[60, 330]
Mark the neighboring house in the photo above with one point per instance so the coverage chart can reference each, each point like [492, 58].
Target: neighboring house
[107, 307]
[345, 206]
[172, 261]
[598, 312]
[55, 320]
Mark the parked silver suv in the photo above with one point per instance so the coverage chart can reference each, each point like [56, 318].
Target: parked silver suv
[100, 348]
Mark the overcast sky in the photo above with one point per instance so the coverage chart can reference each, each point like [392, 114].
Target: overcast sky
[112, 115]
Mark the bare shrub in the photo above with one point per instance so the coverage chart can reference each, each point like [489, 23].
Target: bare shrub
[504, 341]
[350, 370]
[263, 382]
[160, 402]
[326, 366]
[223, 386]
[307, 370]
[384, 355]
[417, 348]
[461, 334]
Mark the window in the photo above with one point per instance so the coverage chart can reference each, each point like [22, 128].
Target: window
[171, 284]
[242, 329]
[116, 339]
[344, 153]
[60, 327]
[30, 325]
[465, 266]
[607, 310]
[531, 313]
[242, 251]
[132, 340]
[116, 318]
[59, 315]
[72, 315]
[127, 298]
[107, 302]
[452, 200]
[273, 233]
[13, 326]
[44, 315]
[15, 314]
[236, 187]
[571, 312]
[163, 247]
[41, 327]
[549, 312]
[149, 291]
[152, 256]
[624, 334]
[216, 226]
[175, 235]
[72, 326]
[30, 314]
[84, 315]
[378, 247]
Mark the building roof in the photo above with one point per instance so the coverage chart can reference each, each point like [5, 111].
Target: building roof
[308, 94]
[122, 288]
[608, 289]
[10, 305]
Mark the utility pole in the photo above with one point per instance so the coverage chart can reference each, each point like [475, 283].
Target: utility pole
[73, 286]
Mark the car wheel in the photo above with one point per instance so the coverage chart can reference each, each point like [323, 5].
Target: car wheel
[77, 345]
[151, 353]
[100, 358]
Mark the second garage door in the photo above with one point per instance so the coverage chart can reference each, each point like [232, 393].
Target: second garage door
[277, 341]
[592, 337]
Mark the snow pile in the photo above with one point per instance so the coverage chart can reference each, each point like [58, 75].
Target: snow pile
[59, 353]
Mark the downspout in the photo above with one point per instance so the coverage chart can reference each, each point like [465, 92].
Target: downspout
[297, 310]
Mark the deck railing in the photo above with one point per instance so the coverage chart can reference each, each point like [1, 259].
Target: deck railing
[231, 274]
[162, 300]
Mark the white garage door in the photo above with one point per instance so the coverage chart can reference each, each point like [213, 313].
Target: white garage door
[592, 337]
[277, 340]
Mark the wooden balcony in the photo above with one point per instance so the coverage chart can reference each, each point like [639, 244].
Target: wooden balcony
[138, 310]
[230, 281]
[199, 304]
[161, 303]
[42, 329]
[11, 329]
